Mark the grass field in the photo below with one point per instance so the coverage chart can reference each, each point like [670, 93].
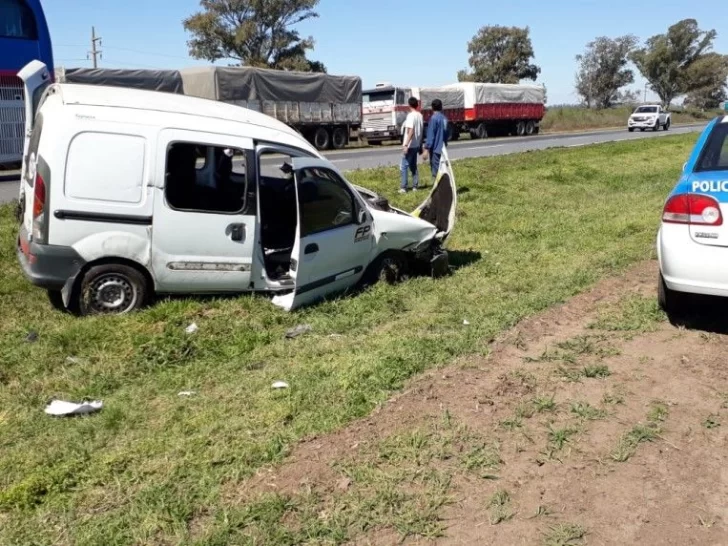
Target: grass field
[574, 119]
[153, 467]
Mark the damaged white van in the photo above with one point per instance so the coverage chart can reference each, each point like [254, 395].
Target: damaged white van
[127, 194]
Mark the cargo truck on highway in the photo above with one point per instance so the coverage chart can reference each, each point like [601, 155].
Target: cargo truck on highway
[325, 109]
[478, 109]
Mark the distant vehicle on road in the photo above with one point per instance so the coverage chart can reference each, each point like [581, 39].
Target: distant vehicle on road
[649, 116]
[692, 243]
[478, 109]
[23, 37]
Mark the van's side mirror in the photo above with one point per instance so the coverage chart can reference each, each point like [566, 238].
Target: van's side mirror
[685, 166]
[362, 218]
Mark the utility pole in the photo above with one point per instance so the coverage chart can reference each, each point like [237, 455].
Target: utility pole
[95, 52]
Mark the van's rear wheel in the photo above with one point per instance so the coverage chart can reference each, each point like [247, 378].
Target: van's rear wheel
[111, 289]
[56, 300]
[321, 139]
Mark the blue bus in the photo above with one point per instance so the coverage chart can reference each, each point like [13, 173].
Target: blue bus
[24, 37]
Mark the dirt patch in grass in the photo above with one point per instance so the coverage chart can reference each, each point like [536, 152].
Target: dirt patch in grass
[505, 449]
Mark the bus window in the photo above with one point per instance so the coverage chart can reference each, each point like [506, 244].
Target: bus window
[17, 20]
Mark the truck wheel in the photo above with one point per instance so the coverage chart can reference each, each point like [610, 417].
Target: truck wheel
[481, 131]
[667, 125]
[111, 289]
[455, 135]
[530, 126]
[321, 139]
[520, 128]
[630, 129]
[339, 138]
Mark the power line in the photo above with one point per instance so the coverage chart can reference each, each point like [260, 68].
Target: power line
[140, 52]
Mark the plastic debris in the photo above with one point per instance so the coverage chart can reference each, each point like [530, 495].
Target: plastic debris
[298, 331]
[187, 393]
[192, 328]
[466, 323]
[280, 385]
[61, 408]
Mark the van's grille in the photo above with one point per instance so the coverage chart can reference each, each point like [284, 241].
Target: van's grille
[12, 119]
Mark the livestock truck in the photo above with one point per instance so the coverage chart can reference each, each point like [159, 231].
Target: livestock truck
[325, 109]
[478, 109]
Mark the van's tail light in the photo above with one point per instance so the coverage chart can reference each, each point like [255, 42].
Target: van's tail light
[39, 208]
[691, 208]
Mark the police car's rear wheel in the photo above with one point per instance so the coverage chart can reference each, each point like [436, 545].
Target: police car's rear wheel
[111, 289]
[673, 303]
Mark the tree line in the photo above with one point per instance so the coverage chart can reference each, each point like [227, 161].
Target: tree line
[680, 62]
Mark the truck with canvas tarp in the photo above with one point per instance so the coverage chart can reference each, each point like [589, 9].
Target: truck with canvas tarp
[324, 108]
[479, 109]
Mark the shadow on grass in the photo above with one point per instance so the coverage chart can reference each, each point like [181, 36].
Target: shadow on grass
[702, 313]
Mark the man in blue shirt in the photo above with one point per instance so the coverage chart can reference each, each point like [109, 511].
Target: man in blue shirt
[436, 136]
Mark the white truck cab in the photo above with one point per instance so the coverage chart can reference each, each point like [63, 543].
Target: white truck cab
[649, 116]
[126, 194]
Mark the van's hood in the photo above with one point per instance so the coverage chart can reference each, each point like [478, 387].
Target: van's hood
[437, 211]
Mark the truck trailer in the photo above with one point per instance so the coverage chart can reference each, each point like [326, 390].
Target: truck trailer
[325, 109]
[478, 109]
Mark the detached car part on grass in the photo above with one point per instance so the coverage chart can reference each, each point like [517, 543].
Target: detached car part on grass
[126, 194]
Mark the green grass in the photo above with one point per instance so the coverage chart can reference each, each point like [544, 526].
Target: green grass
[500, 507]
[641, 432]
[564, 534]
[634, 314]
[153, 467]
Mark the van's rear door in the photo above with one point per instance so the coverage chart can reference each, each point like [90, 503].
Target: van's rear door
[36, 79]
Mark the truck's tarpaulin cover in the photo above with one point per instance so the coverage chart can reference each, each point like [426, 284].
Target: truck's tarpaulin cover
[169, 81]
[451, 98]
[499, 93]
[291, 97]
[244, 83]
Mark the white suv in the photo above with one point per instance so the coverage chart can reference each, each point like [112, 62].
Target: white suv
[649, 116]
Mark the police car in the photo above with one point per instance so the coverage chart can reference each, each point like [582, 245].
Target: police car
[692, 243]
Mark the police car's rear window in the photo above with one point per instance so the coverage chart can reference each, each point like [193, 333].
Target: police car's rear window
[715, 152]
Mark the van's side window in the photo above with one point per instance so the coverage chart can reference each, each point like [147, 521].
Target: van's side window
[325, 202]
[206, 178]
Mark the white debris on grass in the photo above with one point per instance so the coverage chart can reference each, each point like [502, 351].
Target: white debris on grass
[61, 408]
[279, 385]
[192, 328]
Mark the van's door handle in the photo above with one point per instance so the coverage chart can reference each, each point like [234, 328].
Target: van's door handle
[311, 249]
[237, 232]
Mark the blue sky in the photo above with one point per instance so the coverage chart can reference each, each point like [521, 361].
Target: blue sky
[385, 40]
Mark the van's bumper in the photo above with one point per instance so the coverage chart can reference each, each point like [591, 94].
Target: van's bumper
[48, 266]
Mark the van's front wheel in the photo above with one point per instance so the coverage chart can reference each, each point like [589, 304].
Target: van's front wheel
[111, 289]
[390, 267]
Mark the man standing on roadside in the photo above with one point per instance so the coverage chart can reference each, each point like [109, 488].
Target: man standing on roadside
[436, 137]
[411, 144]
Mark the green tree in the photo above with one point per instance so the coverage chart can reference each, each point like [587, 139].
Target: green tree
[670, 62]
[255, 33]
[708, 75]
[500, 55]
[603, 70]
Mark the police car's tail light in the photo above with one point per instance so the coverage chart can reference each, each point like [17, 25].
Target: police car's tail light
[690, 208]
